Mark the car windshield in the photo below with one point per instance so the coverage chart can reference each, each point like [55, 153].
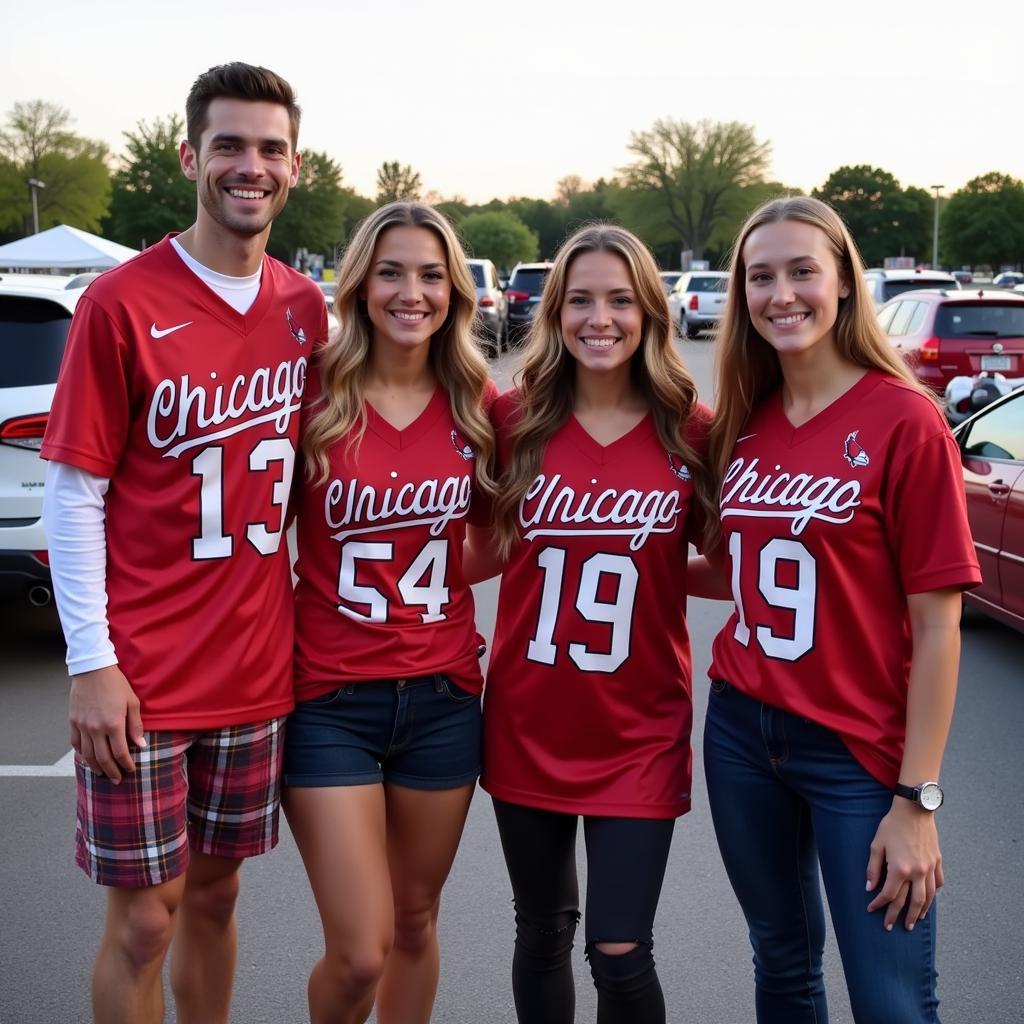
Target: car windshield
[32, 337]
[478, 274]
[668, 279]
[530, 281]
[708, 284]
[892, 288]
[981, 321]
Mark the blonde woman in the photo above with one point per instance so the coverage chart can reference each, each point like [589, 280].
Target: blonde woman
[588, 707]
[843, 519]
[382, 752]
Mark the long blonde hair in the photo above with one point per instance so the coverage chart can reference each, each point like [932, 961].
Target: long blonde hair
[749, 368]
[547, 382]
[454, 357]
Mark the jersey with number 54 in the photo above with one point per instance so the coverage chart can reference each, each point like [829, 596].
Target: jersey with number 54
[192, 410]
[588, 702]
[381, 594]
[828, 527]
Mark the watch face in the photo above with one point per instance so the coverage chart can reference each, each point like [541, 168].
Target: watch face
[931, 796]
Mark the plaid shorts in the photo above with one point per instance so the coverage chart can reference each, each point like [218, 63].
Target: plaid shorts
[217, 792]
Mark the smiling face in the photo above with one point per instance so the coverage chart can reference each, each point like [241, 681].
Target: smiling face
[793, 286]
[408, 288]
[601, 317]
[245, 165]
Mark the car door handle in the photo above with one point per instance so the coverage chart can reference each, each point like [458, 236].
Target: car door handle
[998, 489]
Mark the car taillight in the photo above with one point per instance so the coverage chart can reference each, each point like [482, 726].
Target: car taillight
[42, 556]
[930, 350]
[694, 304]
[486, 301]
[517, 296]
[24, 431]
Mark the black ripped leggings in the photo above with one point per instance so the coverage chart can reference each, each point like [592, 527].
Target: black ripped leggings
[626, 860]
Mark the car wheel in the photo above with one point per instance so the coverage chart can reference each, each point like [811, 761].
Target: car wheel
[690, 331]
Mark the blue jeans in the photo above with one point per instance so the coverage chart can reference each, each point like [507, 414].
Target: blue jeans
[786, 797]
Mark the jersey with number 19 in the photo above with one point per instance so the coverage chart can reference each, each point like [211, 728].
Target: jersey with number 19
[587, 708]
[828, 527]
[192, 410]
[381, 594]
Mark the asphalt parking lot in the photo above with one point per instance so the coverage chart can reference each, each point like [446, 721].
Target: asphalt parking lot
[50, 914]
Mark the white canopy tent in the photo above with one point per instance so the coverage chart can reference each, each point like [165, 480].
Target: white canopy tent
[63, 248]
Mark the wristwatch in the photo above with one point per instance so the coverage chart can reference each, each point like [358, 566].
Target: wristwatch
[928, 796]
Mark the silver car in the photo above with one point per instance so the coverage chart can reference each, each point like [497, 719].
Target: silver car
[697, 300]
[491, 306]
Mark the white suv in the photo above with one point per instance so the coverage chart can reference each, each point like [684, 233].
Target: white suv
[35, 314]
[884, 285]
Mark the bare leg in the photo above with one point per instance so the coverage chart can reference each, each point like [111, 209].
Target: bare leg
[340, 834]
[206, 942]
[127, 983]
[423, 832]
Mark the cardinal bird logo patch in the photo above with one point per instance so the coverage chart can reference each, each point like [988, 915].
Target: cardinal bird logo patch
[296, 331]
[461, 447]
[854, 452]
[677, 467]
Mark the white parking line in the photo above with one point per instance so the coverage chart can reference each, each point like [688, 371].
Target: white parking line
[64, 768]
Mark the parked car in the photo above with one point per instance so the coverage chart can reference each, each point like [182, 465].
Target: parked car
[947, 334]
[669, 278]
[35, 315]
[887, 284]
[1008, 279]
[491, 306]
[697, 300]
[992, 453]
[523, 293]
[963, 276]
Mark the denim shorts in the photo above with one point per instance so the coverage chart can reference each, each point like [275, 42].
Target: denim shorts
[421, 733]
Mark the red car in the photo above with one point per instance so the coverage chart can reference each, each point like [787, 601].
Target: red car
[947, 334]
[992, 451]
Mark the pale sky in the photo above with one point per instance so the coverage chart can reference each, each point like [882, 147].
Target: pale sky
[501, 99]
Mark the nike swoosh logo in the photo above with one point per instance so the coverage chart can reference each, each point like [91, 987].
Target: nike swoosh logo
[157, 333]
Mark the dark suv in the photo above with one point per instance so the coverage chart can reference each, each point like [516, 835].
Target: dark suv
[523, 293]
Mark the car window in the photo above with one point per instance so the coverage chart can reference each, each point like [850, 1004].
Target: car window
[890, 289]
[917, 320]
[478, 274]
[708, 284]
[904, 311]
[885, 315]
[32, 337]
[999, 432]
[528, 280]
[982, 321]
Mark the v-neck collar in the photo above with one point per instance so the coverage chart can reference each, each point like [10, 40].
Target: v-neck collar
[603, 454]
[841, 406]
[414, 431]
[243, 323]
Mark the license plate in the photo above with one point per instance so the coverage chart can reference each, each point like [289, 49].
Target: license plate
[996, 362]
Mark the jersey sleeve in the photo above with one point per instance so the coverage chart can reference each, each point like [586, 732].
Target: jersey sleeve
[89, 419]
[926, 517]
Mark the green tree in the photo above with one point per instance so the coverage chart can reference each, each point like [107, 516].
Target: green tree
[151, 194]
[501, 237]
[39, 142]
[884, 218]
[546, 220]
[983, 222]
[696, 174]
[396, 181]
[314, 217]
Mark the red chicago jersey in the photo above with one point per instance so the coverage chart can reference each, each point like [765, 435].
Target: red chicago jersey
[828, 527]
[381, 593]
[192, 410]
[588, 702]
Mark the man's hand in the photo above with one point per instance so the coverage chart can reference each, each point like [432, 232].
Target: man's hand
[104, 716]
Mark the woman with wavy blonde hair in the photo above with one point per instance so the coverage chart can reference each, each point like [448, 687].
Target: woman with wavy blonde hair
[834, 679]
[383, 749]
[588, 707]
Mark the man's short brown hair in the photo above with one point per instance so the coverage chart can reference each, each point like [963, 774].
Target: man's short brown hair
[237, 81]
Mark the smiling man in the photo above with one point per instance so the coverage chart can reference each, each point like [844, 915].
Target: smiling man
[172, 442]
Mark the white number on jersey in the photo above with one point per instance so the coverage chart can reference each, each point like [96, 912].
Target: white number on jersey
[208, 465]
[800, 599]
[618, 613]
[421, 584]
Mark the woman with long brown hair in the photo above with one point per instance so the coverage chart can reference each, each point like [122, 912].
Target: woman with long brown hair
[843, 520]
[383, 749]
[588, 709]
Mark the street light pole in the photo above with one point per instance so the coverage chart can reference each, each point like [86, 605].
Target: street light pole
[35, 184]
[935, 229]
